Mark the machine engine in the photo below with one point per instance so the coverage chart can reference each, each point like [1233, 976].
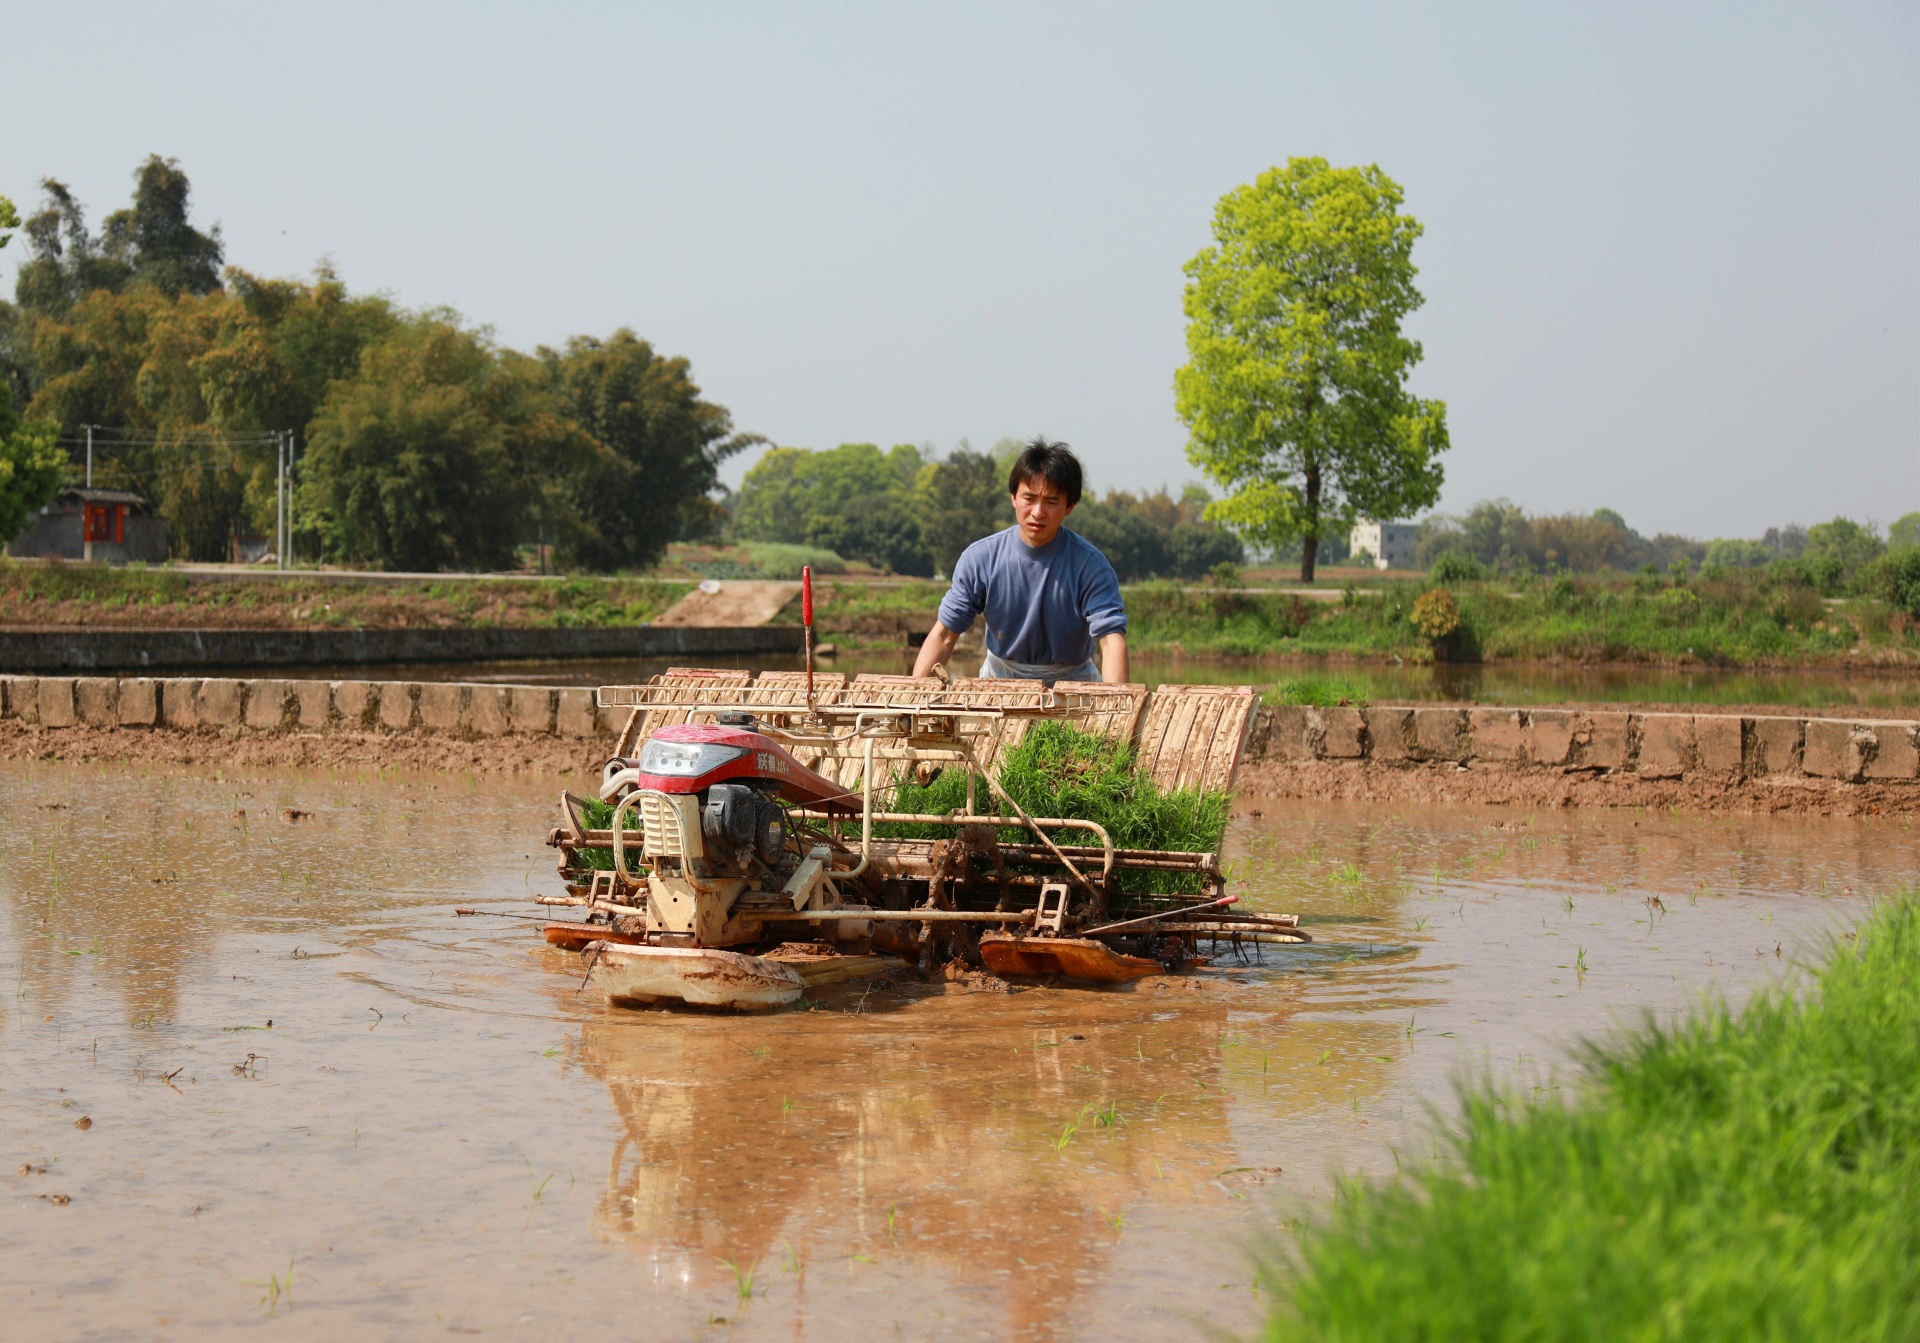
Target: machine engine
[736, 780]
[742, 824]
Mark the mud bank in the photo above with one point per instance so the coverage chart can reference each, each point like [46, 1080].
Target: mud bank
[1541, 789]
[1527, 757]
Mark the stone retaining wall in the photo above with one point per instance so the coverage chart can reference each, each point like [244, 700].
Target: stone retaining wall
[1642, 745]
[1651, 746]
[428, 708]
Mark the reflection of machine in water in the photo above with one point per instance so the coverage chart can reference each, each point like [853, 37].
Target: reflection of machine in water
[722, 859]
[933, 1143]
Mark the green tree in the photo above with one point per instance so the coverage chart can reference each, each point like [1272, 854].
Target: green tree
[1838, 551]
[409, 465]
[1126, 536]
[1294, 393]
[151, 242]
[878, 529]
[65, 263]
[31, 464]
[9, 221]
[959, 500]
[1904, 533]
[154, 238]
[1734, 553]
[665, 444]
[790, 487]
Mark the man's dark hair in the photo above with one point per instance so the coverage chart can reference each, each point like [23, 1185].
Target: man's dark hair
[1051, 462]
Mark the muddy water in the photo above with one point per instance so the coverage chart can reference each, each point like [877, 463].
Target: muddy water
[297, 1065]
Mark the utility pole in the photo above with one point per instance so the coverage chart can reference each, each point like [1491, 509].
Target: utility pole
[280, 502]
[89, 429]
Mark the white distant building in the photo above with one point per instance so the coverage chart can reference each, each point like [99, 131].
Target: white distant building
[1390, 543]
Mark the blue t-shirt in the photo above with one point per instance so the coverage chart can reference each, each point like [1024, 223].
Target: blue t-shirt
[1043, 606]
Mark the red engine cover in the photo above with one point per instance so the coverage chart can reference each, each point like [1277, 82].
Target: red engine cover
[764, 759]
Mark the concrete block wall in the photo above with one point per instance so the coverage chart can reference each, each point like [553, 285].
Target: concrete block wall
[1645, 745]
[239, 704]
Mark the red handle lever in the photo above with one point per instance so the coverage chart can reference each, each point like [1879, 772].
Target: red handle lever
[806, 594]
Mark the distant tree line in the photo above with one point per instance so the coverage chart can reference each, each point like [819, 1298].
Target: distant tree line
[421, 442]
[1496, 536]
[911, 510]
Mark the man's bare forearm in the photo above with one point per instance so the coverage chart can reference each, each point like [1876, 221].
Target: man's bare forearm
[937, 649]
[1113, 658]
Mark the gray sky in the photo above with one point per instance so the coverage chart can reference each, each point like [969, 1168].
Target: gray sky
[1672, 253]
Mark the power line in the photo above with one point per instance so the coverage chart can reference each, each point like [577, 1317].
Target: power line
[237, 440]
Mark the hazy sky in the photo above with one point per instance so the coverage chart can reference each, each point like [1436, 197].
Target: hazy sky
[1672, 253]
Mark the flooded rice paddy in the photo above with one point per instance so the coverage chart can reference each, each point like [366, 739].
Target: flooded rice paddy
[258, 1076]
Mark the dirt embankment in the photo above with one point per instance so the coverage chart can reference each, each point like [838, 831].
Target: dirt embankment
[76, 596]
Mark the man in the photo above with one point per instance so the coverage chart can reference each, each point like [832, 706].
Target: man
[1048, 594]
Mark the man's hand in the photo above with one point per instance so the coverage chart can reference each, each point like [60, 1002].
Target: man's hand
[939, 648]
[1113, 658]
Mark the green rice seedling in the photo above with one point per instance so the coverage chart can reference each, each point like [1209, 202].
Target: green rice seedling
[1732, 1176]
[742, 1276]
[1059, 770]
[1066, 1136]
[1347, 872]
[599, 816]
[538, 1188]
[277, 1291]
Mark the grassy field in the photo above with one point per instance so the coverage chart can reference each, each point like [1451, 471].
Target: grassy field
[84, 595]
[1749, 1176]
[1742, 620]
[1730, 622]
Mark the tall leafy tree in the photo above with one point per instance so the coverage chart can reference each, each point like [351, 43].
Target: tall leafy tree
[31, 464]
[881, 529]
[154, 238]
[665, 445]
[65, 262]
[409, 464]
[960, 499]
[788, 488]
[1294, 393]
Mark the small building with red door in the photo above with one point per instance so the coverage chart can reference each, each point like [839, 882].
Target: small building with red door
[111, 526]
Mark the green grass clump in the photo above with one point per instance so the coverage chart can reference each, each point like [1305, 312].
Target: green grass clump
[1059, 770]
[776, 560]
[1323, 692]
[1750, 1176]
